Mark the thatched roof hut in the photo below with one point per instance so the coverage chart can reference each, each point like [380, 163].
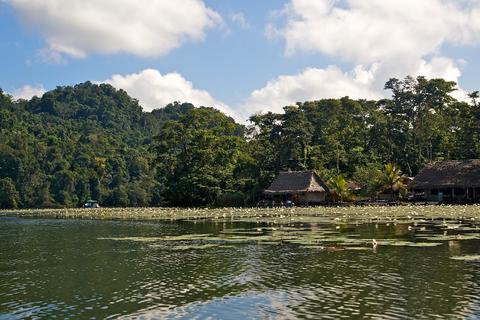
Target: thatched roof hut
[452, 180]
[298, 186]
[448, 174]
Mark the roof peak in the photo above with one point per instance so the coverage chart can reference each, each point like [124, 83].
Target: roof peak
[455, 160]
[298, 171]
[297, 182]
[448, 174]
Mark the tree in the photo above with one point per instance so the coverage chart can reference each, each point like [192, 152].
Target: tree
[119, 198]
[419, 122]
[9, 196]
[339, 189]
[474, 96]
[370, 175]
[197, 156]
[94, 141]
[296, 133]
[392, 180]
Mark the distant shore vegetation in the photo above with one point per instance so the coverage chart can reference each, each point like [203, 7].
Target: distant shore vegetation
[90, 141]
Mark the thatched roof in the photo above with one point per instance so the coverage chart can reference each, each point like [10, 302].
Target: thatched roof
[353, 185]
[296, 182]
[448, 174]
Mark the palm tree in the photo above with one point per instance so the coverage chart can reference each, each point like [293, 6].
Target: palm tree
[339, 189]
[392, 179]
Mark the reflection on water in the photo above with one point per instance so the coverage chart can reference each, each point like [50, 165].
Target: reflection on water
[69, 269]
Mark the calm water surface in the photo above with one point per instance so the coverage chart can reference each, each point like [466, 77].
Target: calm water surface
[64, 269]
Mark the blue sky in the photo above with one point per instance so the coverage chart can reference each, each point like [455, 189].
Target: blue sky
[240, 56]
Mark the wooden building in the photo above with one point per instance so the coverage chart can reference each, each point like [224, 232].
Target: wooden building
[448, 181]
[301, 187]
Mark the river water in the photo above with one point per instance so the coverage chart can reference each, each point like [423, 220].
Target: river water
[77, 269]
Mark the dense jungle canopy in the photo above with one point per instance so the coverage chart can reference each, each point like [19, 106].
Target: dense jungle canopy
[93, 141]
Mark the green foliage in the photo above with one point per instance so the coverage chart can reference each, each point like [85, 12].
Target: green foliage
[231, 199]
[78, 143]
[369, 175]
[198, 155]
[339, 189]
[392, 180]
[8, 194]
[94, 142]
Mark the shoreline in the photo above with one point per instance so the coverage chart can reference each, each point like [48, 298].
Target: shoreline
[295, 214]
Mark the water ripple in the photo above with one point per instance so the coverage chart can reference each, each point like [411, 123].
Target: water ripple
[59, 269]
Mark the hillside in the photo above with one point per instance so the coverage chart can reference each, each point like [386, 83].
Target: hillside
[78, 143]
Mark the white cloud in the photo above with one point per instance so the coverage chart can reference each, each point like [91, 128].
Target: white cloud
[27, 92]
[154, 90]
[145, 28]
[439, 67]
[371, 31]
[239, 19]
[311, 84]
[332, 82]
[399, 38]
[382, 38]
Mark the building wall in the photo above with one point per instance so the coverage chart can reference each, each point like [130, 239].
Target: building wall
[311, 198]
[386, 197]
[455, 195]
[301, 199]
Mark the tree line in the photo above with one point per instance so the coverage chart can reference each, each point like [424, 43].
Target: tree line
[90, 141]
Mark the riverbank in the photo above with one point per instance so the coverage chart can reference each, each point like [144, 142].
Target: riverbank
[297, 214]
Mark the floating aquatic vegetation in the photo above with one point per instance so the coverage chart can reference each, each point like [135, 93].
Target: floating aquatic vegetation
[315, 235]
[400, 243]
[441, 237]
[269, 243]
[321, 215]
[347, 242]
[165, 238]
[315, 227]
[466, 258]
[136, 239]
[359, 248]
[199, 247]
[467, 228]
[326, 248]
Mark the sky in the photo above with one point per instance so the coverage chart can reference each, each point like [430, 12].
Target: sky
[239, 56]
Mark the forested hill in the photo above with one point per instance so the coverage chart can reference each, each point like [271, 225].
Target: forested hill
[78, 143]
[94, 142]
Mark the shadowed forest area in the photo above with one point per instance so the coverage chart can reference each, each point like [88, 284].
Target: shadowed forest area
[94, 142]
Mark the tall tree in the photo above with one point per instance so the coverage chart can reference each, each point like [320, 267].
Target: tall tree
[197, 156]
[9, 196]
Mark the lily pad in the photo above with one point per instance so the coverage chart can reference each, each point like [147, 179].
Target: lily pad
[440, 237]
[466, 258]
[166, 238]
[358, 248]
[397, 243]
[200, 247]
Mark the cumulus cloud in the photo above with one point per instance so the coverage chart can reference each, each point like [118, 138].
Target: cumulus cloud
[399, 37]
[378, 30]
[311, 84]
[442, 67]
[27, 92]
[145, 28]
[154, 90]
[332, 82]
[382, 39]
